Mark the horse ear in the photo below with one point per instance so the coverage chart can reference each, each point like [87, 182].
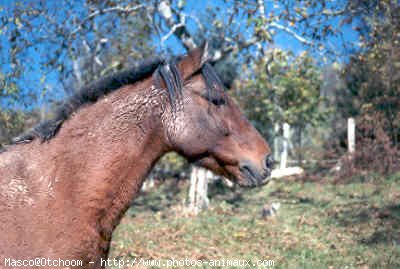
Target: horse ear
[193, 61]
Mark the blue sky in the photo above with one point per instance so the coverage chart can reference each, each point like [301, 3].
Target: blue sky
[281, 39]
[31, 79]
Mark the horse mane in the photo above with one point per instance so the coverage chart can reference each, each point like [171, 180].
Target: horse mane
[90, 93]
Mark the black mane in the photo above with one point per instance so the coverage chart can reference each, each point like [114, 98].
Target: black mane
[165, 70]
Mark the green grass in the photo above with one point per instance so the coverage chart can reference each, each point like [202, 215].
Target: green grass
[319, 225]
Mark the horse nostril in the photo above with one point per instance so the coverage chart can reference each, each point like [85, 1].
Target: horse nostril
[269, 162]
[247, 170]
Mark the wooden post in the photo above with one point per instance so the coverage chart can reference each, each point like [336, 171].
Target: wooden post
[198, 199]
[351, 135]
[285, 149]
[276, 141]
[299, 146]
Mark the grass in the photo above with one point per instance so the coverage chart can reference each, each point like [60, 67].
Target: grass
[319, 225]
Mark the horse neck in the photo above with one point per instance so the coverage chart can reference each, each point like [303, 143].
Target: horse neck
[116, 152]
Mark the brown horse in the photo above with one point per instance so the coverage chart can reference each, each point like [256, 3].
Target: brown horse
[67, 182]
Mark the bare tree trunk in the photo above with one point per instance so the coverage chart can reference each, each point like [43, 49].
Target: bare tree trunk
[198, 199]
[149, 183]
[77, 73]
[285, 148]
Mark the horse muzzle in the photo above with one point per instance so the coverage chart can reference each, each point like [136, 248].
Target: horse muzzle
[253, 176]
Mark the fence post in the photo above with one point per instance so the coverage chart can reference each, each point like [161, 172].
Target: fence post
[276, 141]
[285, 148]
[351, 135]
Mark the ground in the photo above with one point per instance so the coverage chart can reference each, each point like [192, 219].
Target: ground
[319, 225]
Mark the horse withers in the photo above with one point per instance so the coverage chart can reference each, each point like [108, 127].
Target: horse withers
[66, 183]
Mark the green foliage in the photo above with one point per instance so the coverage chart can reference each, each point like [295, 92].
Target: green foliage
[12, 119]
[171, 164]
[282, 89]
[10, 93]
[372, 76]
[11, 124]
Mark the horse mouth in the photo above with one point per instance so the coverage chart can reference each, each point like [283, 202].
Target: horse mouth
[251, 179]
[243, 176]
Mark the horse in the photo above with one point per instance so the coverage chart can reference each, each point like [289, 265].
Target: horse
[66, 183]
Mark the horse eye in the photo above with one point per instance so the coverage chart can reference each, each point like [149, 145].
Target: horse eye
[215, 100]
[218, 102]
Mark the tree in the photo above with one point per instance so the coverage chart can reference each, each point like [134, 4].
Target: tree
[11, 120]
[283, 89]
[372, 76]
[67, 47]
[75, 44]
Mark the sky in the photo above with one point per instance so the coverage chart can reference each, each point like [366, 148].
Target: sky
[32, 79]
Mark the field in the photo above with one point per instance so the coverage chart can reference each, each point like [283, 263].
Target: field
[319, 225]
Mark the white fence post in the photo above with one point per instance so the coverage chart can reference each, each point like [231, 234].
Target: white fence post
[276, 141]
[351, 135]
[285, 149]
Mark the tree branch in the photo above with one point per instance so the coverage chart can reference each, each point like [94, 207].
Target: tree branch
[174, 28]
[329, 12]
[120, 9]
[261, 10]
[291, 32]
[261, 7]
[224, 51]
[164, 8]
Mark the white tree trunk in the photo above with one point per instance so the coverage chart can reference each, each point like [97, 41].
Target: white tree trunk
[285, 146]
[198, 199]
[351, 135]
[148, 184]
[77, 73]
